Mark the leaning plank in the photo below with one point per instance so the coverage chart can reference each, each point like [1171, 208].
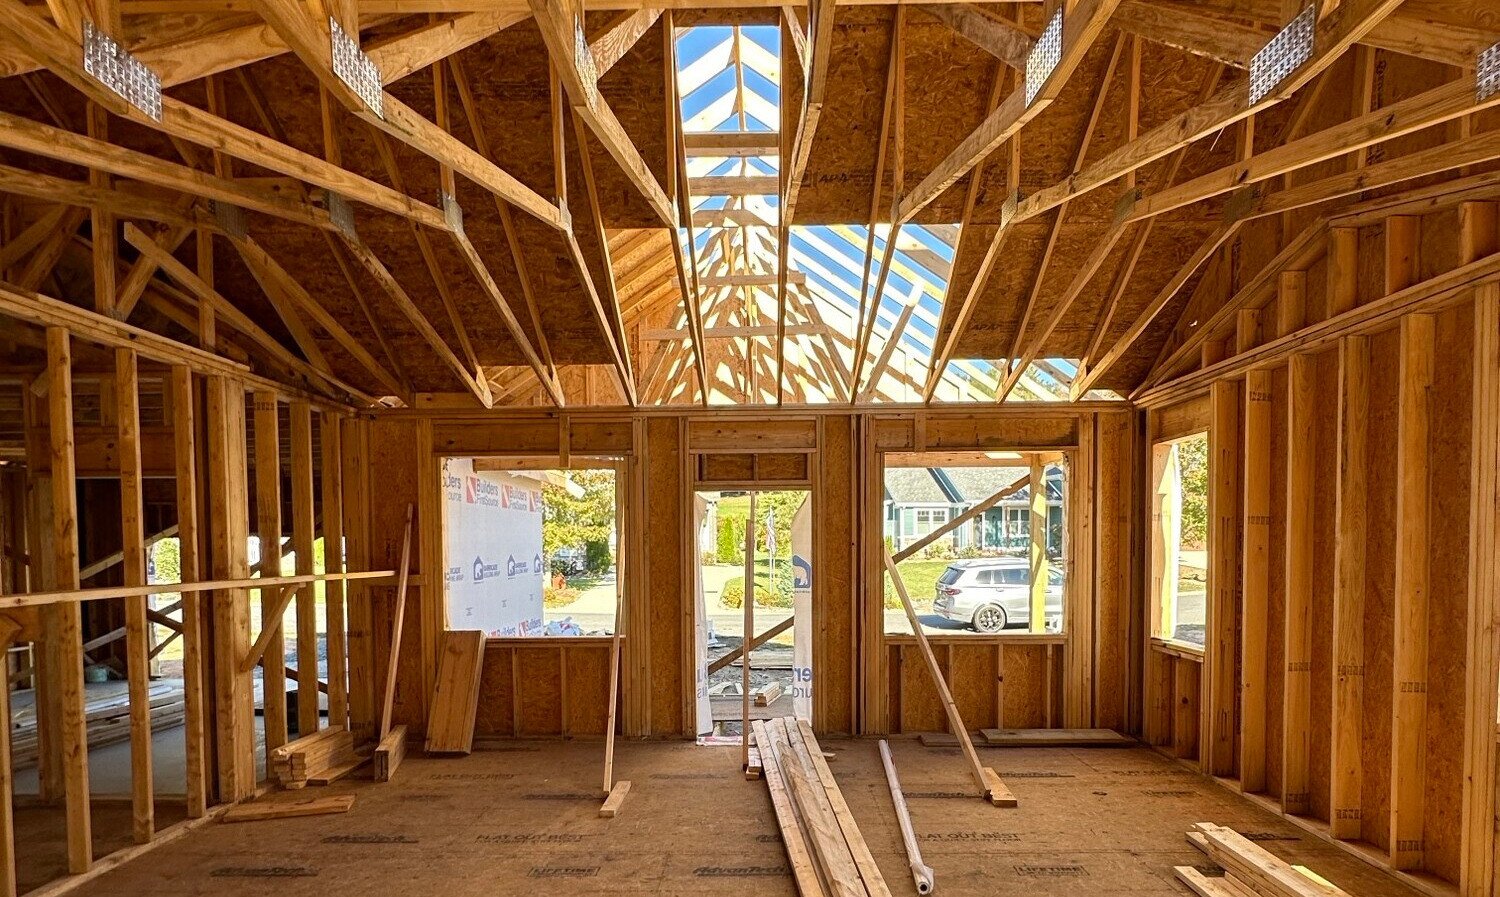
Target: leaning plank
[455, 699]
[611, 807]
[389, 754]
[287, 809]
[986, 779]
[397, 618]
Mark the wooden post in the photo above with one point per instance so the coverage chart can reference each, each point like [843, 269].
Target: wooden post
[1255, 580]
[303, 515]
[1038, 490]
[749, 624]
[1217, 742]
[228, 499]
[333, 562]
[1343, 269]
[188, 534]
[1409, 661]
[137, 627]
[1477, 857]
[1478, 850]
[7, 786]
[1346, 767]
[63, 623]
[1297, 694]
[268, 530]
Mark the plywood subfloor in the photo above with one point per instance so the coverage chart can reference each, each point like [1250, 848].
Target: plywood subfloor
[523, 820]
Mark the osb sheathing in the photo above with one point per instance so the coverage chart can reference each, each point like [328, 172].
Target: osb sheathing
[506, 822]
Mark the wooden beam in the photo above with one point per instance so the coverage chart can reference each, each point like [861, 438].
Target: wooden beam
[63, 624]
[560, 25]
[303, 522]
[1082, 24]
[1255, 563]
[1408, 775]
[1334, 34]
[622, 34]
[1477, 852]
[310, 40]
[1217, 714]
[1296, 797]
[268, 526]
[137, 627]
[1346, 765]
[185, 458]
[1006, 41]
[1221, 40]
[332, 516]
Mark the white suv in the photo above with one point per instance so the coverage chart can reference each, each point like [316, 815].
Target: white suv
[991, 594]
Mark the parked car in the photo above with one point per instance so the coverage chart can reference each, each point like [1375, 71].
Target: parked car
[991, 594]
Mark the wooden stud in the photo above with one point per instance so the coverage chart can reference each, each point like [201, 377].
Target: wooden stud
[137, 627]
[268, 529]
[1346, 767]
[1037, 486]
[1255, 580]
[1298, 627]
[1402, 239]
[1217, 742]
[63, 623]
[1343, 270]
[333, 562]
[8, 632]
[1291, 302]
[1413, 557]
[748, 606]
[185, 459]
[229, 555]
[1477, 856]
[303, 516]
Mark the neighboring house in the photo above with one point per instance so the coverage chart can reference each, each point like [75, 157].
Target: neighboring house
[919, 500]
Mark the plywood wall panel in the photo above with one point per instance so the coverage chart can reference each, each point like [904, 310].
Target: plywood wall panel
[1118, 613]
[538, 673]
[835, 557]
[496, 714]
[1025, 686]
[971, 678]
[587, 706]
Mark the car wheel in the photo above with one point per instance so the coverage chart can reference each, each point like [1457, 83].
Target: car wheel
[989, 618]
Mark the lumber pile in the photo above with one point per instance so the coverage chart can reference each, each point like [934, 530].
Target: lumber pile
[455, 698]
[322, 757]
[108, 721]
[389, 753]
[767, 694]
[1249, 869]
[828, 854]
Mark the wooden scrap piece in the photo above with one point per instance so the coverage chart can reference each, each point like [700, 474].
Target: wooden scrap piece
[389, 753]
[611, 806]
[1054, 737]
[455, 698]
[288, 809]
[767, 694]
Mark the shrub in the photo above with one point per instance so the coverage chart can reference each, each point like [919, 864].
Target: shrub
[733, 594]
[941, 550]
[731, 540]
[596, 556]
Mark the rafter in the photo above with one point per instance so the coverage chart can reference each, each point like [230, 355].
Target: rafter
[560, 25]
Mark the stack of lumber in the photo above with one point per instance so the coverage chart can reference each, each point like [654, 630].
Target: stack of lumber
[1249, 869]
[321, 757]
[107, 718]
[829, 856]
[288, 809]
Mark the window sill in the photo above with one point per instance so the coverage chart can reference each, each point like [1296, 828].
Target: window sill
[1186, 650]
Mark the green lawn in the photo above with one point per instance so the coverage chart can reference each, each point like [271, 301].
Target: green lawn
[920, 577]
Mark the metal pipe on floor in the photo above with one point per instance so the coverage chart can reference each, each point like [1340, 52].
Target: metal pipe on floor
[921, 873]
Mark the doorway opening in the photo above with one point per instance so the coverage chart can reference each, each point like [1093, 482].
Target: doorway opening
[755, 574]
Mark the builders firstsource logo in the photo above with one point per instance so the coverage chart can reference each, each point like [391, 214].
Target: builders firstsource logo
[483, 571]
[453, 486]
[481, 492]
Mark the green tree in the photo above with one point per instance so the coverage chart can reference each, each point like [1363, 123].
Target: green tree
[1192, 467]
[731, 540]
[570, 521]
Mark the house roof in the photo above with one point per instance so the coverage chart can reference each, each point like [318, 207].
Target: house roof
[914, 486]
